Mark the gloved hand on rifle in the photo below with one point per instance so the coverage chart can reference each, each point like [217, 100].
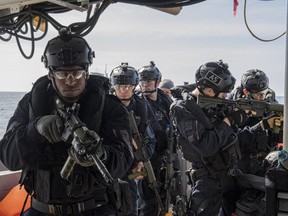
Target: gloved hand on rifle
[273, 122]
[176, 92]
[236, 117]
[51, 127]
[90, 148]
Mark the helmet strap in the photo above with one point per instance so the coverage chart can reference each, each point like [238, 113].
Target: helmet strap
[200, 88]
[152, 91]
[126, 100]
[216, 94]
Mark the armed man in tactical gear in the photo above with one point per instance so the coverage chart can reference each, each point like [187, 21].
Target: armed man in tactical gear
[211, 141]
[159, 106]
[254, 85]
[38, 139]
[124, 80]
[253, 165]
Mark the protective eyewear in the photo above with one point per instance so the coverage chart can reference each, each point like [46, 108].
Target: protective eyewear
[65, 74]
[260, 94]
[146, 82]
[123, 87]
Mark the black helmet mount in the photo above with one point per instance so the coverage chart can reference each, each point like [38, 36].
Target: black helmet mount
[254, 81]
[215, 75]
[67, 50]
[150, 72]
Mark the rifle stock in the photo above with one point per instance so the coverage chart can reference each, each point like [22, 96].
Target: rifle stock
[252, 107]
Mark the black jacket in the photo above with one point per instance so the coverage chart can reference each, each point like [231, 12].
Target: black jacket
[140, 109]
[198, 141]
[158, 112]
[22, 147]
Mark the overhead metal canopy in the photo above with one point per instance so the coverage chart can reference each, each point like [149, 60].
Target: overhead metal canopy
[14, 6]
[27, 19]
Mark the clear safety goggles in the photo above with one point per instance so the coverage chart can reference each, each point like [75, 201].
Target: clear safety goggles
[123, 87]
[146, 82]
[260, 94]
[65, 74]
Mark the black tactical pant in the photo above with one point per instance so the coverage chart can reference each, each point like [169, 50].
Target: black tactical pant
[209, 196]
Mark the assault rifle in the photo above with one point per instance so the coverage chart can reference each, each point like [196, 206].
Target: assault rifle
[252, 107]
[75, 132]
[142, 155]
[170, 173]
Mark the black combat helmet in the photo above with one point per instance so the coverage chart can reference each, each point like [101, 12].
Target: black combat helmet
[215, 75]
[67, 50]
[124, 75]
[254, 81]
[149, 72]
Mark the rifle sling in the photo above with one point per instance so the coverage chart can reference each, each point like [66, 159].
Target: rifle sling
[192, 107]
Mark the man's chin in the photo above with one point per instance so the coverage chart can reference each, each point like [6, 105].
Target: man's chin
[124, 98]
[147, 93]
[71, 93]
[71, 96]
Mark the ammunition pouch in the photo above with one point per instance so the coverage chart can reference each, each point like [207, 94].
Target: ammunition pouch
[261, 149]
[224, 160]
[119, 196]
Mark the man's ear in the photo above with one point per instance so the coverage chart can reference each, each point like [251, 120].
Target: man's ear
[49, 76]
[208, 91]
[245, 91]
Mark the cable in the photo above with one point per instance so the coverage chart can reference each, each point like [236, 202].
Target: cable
[258, 38]
[20, 24]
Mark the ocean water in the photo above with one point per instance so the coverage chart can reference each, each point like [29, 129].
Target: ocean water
[9, 101]
[8, 104]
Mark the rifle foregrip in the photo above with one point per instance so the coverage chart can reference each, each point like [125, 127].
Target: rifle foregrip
[67, 168]
[150, 172]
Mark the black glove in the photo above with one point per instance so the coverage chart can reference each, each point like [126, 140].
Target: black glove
[272, 122]
[51, 127]
[176, 92]
[237, 117]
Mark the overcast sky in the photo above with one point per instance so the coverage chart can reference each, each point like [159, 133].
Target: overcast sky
[177, 44]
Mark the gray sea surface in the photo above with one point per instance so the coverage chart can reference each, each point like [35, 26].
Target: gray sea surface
[8, 104]
[9, 101]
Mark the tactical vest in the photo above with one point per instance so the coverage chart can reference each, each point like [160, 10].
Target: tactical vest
[140, 111]
[45, 181]
[264, 143]
[160, 124]
[223, 160]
